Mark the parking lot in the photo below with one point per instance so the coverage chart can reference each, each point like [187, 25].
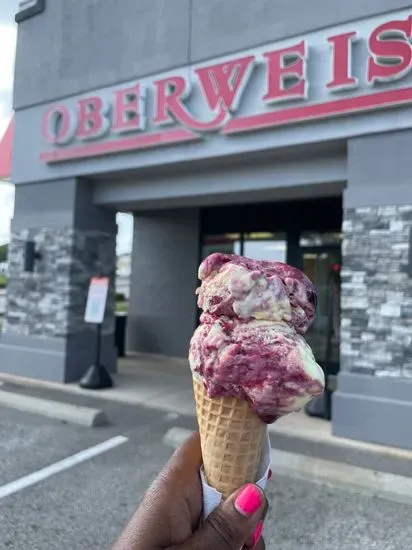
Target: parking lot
[87, 499]
[99, 475]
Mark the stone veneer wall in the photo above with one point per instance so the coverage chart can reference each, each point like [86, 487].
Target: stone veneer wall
[376, 329]
[51, 301]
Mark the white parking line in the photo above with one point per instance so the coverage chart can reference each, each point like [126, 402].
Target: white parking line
[60, 466]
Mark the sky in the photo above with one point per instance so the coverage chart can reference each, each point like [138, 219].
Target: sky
[8, 34]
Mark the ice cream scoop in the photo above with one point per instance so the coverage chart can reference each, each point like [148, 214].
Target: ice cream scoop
[249, 360]
[236, 286]
[265, 363]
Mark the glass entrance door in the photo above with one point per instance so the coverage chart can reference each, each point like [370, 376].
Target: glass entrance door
[319, 256]
[258, 246]
[322, 266]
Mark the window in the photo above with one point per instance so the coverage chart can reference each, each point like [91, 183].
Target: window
[310, 238]
[229, 243]
[265, 246]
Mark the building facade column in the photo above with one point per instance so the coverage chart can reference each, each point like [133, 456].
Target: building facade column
[373, 401]
[162, 308]
[44, 334]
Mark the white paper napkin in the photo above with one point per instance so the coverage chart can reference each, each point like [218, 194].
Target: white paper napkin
[212, 498]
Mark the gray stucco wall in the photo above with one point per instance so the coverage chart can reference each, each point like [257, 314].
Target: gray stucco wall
[78, 45]
[36, 159]
[317, 174]
[162, 308]
[378, 167]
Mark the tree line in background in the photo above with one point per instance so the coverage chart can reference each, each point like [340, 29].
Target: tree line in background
[4, 248]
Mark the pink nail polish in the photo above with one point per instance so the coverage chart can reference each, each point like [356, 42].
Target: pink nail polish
[249, 500]
[258, 533]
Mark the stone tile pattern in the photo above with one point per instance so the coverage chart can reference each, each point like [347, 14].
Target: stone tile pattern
[376, 327]
[51, 301]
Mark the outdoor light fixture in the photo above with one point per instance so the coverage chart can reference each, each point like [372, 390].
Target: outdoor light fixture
[31, 255]
[29, 8]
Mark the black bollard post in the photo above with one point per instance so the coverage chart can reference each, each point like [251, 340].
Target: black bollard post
[97, 376]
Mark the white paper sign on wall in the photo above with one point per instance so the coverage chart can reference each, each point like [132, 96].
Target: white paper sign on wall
[96, 300]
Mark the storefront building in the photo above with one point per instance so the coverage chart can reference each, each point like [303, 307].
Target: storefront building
[236, 126]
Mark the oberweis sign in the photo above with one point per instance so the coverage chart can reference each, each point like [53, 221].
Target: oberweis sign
[99, 125]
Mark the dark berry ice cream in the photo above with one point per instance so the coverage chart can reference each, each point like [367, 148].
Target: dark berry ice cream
[251, 289]
[249, 344]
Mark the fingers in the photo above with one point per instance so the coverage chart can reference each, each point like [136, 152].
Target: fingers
[183, 467]
[256, 541]
[235, 522]
[171, 507]
[188, 455]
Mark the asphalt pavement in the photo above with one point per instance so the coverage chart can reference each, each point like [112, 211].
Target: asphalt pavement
[84, 502]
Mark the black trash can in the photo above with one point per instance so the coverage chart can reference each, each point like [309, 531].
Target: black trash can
[321, 407]
[120, 334]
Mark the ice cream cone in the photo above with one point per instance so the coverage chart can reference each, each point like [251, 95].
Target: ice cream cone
[232, 437]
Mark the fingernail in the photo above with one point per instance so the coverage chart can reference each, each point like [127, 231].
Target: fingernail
[270, 474]
[258, 533]
[249, 500]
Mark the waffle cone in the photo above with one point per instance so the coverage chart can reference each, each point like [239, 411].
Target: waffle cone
[232, 437]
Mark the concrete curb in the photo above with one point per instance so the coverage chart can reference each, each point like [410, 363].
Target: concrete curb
[165, 399]
[391, 487]
[64, 412]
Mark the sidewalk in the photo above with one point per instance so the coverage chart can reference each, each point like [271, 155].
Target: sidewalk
[165, 383]
[151, 381]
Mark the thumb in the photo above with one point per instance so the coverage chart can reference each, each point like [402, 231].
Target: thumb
[233, 523]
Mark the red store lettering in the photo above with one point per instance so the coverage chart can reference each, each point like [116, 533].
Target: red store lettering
[222, 86]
